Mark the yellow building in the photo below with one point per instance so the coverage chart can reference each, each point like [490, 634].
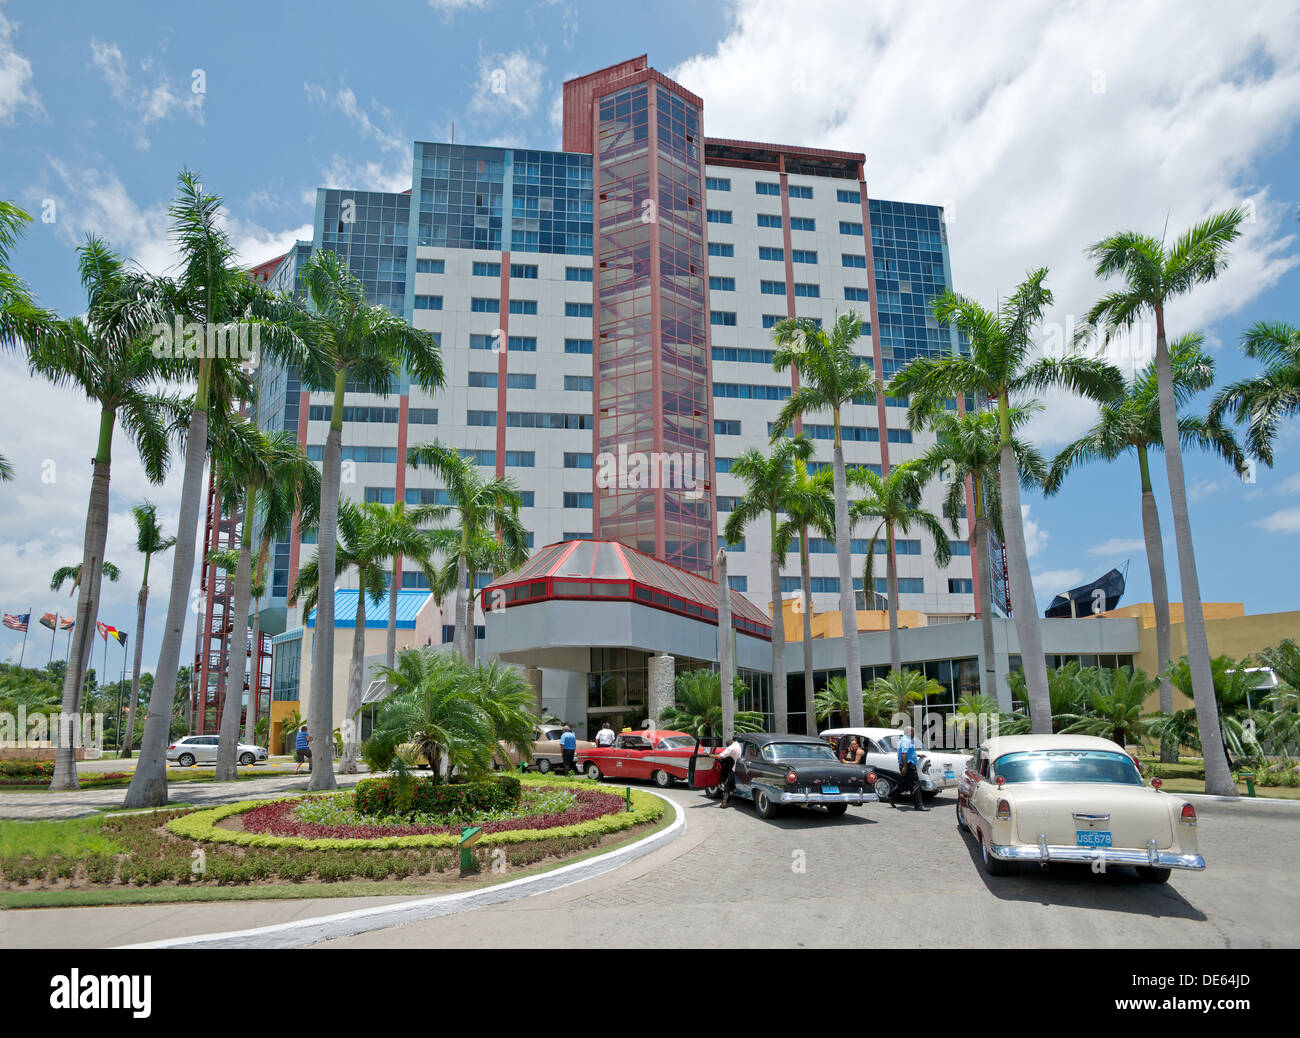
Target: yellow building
[829, 624]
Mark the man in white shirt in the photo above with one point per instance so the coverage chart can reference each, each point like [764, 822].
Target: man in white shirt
[605, 737]
[729, 758]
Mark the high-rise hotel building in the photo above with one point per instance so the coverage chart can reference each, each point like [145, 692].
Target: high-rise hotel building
[619, 296]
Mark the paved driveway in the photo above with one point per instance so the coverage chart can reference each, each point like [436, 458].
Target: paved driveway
[893, 878]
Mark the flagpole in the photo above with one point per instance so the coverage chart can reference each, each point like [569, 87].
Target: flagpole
[105, 671]
[53, 631]
[23, 651]
[67, 655]
[119, 700]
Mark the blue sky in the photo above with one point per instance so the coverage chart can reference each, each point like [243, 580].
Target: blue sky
[1040, 130]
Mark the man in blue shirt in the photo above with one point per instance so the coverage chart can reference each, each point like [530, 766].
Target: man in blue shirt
[302, 748]
[909, 769]
[569, 749]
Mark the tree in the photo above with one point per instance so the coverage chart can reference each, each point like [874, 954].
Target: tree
[1153, 274]
[357, 550]
[507, 699]
[968, 447]
[1131, 422]
[833, 699]
[482, 506]
[697, 706]
[1115, 699]
[211, 291]
[1265, 400]
[901, 688]
[1233, 685]
[809, 504]
[480, 552]
[998, 369]
[1067, 693]
[369, 346]
[831, 375]
[398, 532]
[769, 481]
[73, 574]
[895, 501]
[149, 541]
[108, 358]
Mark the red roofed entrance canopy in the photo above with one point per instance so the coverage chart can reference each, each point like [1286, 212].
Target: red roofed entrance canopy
[607, 571]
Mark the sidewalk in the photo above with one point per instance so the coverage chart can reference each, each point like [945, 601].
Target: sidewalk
[81, 802]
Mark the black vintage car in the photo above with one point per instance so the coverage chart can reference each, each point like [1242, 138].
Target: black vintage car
[779, 770]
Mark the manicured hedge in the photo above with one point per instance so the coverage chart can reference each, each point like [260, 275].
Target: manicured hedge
[26, 769]
[202, 825]
[381, 796]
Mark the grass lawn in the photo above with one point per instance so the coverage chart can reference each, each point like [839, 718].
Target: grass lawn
[88, 781]
[1186, 785]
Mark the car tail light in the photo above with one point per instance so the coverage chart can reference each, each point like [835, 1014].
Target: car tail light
[172, 746]
[1004, 809]
[791, 777]
[1156, 783]
[1188, 816]
[1002, 781]
[871, 778]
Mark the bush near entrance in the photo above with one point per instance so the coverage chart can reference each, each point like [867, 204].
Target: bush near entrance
[390, 796]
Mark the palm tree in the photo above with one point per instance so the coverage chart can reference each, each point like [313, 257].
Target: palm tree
[968, 446]
[482, 506]
[769, 480]
[1283, 660]
[831, 376]
[998, 369]
[900, 688]
[833, 699]
[809, 504]
[1154, 274]
[73, 574]
[368, 346]
[107, 357]
[209, 290]
[895, 500]
[1233, 685]
[1114, 706]
[697, 706]
[1067, 695]
[1131, 422]
[507, 699]
[398, 531]
[1269, 398]
[149, 541]
[357, 550]
[481, 553]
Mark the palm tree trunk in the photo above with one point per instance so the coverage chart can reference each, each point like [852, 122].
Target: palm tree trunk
[1024, 606]
[462, 578]
[254, 674]
[810, 715]
[726, 664]
[348, 762]
[390, 646]
[320, 708]
[1159, 596]
[471, 641]
[891, 569]
[1218, 779]
[848, 605]
[237, 651]
[142, 600]
[988, 673]
[149, 783]
[92, 564]
[780, 693]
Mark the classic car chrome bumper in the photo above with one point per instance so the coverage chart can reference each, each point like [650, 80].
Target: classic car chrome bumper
[825, 798]
[1045, 852]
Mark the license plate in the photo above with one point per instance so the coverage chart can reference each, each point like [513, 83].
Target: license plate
[830, 789]
[948, 773]
[1092, 838]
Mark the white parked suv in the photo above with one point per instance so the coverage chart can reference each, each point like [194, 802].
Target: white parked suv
[939, 770]
[202, 749]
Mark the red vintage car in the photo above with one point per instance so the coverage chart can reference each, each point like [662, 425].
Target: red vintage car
[649, 753]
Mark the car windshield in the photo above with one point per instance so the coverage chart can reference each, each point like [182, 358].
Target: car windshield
[676, 742]
[798, 751]
[1068, 766]
[889, 743]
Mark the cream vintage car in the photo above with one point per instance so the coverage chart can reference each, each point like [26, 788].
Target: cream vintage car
[1072, 798]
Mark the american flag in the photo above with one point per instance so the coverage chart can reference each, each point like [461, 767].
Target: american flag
[18, 621]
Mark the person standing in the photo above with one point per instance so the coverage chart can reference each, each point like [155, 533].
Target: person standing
[302, 749]
[605, 737]
[728, 759]
[569, 750]
[909, 769]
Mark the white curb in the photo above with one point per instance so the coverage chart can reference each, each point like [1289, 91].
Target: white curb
[302, 932]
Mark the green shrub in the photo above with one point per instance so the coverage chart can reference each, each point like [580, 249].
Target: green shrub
[26, 769]
[383, 797]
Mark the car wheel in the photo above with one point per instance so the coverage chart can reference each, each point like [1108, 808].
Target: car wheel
[543, 765]
[961, 822]
[883, 788]
[662, 779]
[713, 792]
[993, 866]
[835, 810]
[593, 772]
[763, 804]
[185, 760]
[246, 759]
[1153, 874]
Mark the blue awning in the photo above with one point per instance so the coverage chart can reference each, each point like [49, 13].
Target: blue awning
[409, 604]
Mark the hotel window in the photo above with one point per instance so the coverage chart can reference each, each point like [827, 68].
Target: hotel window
[807, 290]
[804, 256]
[721, 248]
[487, 270]
[570, 535]
[849, 227]
[740, 391]
[724, 317]
[906, 586]
[577, 273]
[803, 223]
[523, 306]
[857, 295]
[523, 270]
[726, 502]
[577, 346]
[480, 305]
[767, 252]
[719, 216]
[520, 380]
[772, 288]
[849, 196]
[429, 266]
[381, 495]
[520, 459]
[850, 260]
[769, 220]
[772, 320]
[522, 344]
[483, 380]
[740, 584]
[577, 309]
[481, 418]
[764, 188]
[577, 499]
[578, 383]
[526, 498]
[422, 416]
[720, 284]
[726, 427]
[576, 460]
[722, 464]
[482, 342]
[717, 183]
[428, 302]
[800, 191]
[742, 355]
[866, 328]
[959, 547]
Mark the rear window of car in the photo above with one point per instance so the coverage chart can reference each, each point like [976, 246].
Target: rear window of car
[889, 743]
[676, 742]
[1067, 766]
[798, 751]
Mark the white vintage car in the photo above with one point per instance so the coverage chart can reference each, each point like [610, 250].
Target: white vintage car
[1072, 798]
[939, 770]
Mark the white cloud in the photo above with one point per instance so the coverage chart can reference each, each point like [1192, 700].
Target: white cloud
[364, 176]
[450, 8]
[1118, 546]
[1290, 485]
[1039, 128]
[1287, 520]
[1035, 536]
[345, 100]
[1203, 488]
[1052, 582]
[16, 89]
[148, 104]
[508, 83]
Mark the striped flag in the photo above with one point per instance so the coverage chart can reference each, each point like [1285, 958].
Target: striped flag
[67, 623]
[121, 636]
[50, 620]
[17, 621]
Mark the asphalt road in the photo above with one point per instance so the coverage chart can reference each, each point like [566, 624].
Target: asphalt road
[879, 877]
